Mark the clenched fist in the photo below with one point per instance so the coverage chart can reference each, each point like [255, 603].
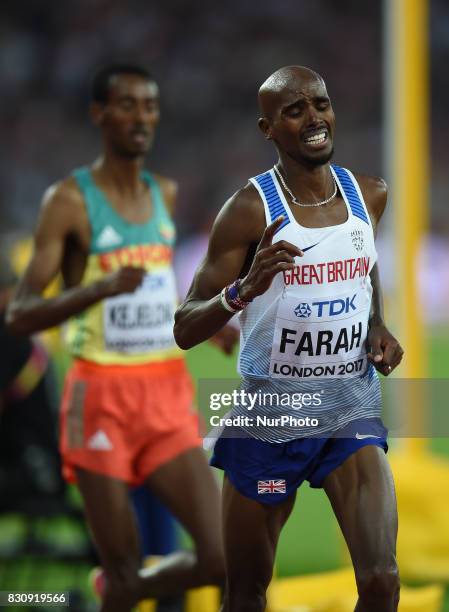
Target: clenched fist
[124, 280]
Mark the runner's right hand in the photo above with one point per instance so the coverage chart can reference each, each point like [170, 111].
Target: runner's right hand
[269, 259]
[124, 280]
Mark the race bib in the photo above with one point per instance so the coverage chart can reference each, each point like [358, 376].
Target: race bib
[320, 338]
[142, 322]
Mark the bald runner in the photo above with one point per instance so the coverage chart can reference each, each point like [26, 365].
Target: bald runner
[293, 254]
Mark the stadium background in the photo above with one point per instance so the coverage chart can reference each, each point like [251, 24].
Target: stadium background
[209, 60]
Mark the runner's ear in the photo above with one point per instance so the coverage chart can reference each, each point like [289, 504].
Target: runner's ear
[265, 128]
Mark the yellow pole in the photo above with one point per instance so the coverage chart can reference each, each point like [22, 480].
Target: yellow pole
[409, 140]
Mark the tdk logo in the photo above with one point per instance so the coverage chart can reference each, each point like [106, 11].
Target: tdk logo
[153, 282]
[333, 308]
[326, 308]
[303, 310]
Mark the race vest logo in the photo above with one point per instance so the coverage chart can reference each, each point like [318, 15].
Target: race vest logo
[357, 239]
[329, 271]
[153, 282]
[331, 308]
[303, 311]
[142, 255]
[108, 237]
[167, 231]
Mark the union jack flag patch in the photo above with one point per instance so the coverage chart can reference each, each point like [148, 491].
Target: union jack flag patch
[271, 486]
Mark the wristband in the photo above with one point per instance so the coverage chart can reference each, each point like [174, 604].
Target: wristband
[224, 302]
[230, 298]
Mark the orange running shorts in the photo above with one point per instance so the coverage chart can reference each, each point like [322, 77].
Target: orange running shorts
[126, 421]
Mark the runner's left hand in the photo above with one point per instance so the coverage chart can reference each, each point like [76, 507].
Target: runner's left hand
[226, 339]
[385, 351]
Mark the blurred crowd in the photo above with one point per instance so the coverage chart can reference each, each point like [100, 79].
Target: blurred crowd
[209, 59]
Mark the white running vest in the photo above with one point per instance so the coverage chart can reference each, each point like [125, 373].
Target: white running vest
[308, 332]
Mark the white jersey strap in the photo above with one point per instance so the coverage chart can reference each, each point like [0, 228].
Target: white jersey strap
[351, 190]
[273, 204]
[274, 207]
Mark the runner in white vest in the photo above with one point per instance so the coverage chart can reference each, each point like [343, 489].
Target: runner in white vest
[293, 252]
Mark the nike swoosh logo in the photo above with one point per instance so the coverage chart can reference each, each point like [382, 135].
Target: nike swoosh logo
[310, 247]
[364, 436]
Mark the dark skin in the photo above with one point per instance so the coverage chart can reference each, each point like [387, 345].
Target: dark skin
[295, 106]
[127, 122]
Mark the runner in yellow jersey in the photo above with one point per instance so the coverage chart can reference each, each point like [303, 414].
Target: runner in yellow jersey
[127, 412]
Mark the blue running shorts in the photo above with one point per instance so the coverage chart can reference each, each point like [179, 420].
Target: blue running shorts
[269, 472]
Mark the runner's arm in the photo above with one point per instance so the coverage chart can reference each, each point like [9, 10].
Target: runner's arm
[384, 350]
[239, 224]
[375, 192]
[377, 301]
[28, 311]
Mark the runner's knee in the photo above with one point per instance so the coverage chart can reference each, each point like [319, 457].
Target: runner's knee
[379, 584]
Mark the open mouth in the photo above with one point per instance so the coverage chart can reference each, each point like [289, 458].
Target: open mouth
[316, 138]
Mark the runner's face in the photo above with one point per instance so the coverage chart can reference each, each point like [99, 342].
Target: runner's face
[303, 122]
[131, 114]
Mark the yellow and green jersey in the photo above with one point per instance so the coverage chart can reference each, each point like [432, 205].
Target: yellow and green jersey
[135, 327]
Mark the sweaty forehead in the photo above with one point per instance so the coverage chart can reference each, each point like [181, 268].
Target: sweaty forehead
[309, 89]
[134, 85]
[288, 86]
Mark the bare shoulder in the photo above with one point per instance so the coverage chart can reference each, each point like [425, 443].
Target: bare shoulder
[375, 192]
[247, 199]
[63, 197]
[63, 210]
[242, 216]
[169, 189]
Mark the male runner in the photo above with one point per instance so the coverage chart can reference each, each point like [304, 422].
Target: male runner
[299, 239]
[127, 412]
